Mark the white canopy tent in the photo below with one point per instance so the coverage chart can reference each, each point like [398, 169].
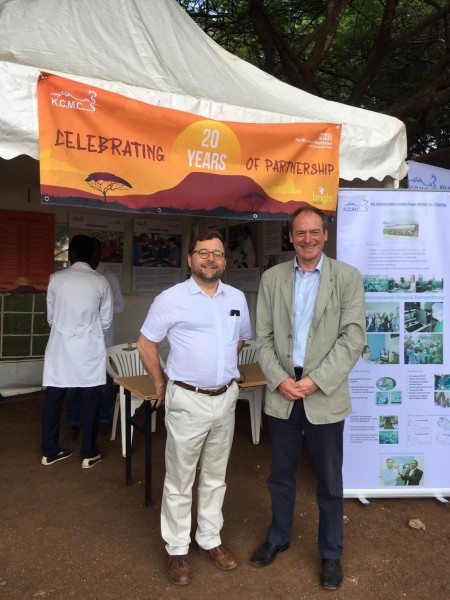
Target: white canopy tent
[151, 50]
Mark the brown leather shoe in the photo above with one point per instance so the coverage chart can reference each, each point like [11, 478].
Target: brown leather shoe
[221, 557]
[179, 569]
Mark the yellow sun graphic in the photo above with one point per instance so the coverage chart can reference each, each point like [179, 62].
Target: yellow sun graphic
[206, 147]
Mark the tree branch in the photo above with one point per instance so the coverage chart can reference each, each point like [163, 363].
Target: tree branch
[380, 51]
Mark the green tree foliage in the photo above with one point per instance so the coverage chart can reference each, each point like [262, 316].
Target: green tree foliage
[390, 56]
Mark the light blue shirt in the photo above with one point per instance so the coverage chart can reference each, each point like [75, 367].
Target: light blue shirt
[202, 332]
[306, 286]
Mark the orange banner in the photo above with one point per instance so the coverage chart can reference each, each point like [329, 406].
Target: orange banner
[103, 150]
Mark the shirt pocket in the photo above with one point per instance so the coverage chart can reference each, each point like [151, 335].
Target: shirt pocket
[234, 328]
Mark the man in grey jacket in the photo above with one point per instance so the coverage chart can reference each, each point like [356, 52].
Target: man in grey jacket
[310, 332]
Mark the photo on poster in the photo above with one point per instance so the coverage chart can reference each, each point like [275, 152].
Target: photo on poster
[424, 317]
[108, 230]
[382, 349]
[400, 225]
[403, 283]
[388, 422]
[386, 383]
[427, 285]
[243, 246]
[382, 317]
[442, 382]
[155, 250]
[401, 470]
[408, 283]
[156, 255]
[442, 399]
[111, 243]
[424, 349]
[395, 397]
[382, 398]
[388, 429]
[375, 283]
[388, 437]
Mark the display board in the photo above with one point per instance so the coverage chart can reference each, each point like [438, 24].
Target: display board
[397, 439]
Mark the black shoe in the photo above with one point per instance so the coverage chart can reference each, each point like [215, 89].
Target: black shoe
[62, 454]
[88, 463]
[331, 574]
[266, 553]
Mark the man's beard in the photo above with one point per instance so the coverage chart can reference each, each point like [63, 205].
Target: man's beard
[209, 276]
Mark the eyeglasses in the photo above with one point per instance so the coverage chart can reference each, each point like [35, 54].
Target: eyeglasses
[204, 253]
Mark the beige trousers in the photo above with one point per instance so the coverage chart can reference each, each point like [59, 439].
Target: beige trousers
[200, 431]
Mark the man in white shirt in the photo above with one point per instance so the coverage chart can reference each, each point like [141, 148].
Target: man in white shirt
[390, 474]
[206, 323]
[79, 309]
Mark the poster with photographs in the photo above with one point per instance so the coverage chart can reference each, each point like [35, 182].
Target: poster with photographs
[109, 230]
[397, 439]
[156, 254]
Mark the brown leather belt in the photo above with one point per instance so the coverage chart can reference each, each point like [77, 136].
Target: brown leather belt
[192, 388]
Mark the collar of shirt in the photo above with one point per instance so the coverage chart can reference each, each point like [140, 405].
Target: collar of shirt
[194, 288]
[82, 266]
[318, 267]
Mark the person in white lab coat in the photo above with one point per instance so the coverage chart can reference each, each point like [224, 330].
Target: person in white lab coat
[79, 309]
[107, 400]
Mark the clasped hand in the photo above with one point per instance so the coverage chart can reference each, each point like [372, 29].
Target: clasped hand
[293, 390]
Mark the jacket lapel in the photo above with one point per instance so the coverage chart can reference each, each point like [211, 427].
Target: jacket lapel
[325, 289]
[287, 292]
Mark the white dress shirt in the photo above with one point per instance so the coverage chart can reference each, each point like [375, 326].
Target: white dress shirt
[201, 330]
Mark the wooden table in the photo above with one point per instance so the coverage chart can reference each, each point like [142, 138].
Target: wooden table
[251, 375]
[142, 387]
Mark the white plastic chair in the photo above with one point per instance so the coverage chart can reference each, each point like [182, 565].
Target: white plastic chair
[123, 360]
[253, 395]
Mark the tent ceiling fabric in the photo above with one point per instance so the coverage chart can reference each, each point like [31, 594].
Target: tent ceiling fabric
[151, 50]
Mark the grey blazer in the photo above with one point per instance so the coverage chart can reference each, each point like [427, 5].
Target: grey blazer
[335, 340]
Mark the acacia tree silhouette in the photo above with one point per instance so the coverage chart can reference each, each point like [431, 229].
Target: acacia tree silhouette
[105, 182]
[256, 200]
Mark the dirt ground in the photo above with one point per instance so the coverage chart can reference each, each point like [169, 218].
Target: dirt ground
[69, 533]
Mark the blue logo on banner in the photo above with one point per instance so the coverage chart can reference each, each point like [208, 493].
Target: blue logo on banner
[418, 183]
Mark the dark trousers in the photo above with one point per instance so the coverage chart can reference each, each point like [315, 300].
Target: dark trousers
[325, 443]
[51, 419]
[106, 405]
